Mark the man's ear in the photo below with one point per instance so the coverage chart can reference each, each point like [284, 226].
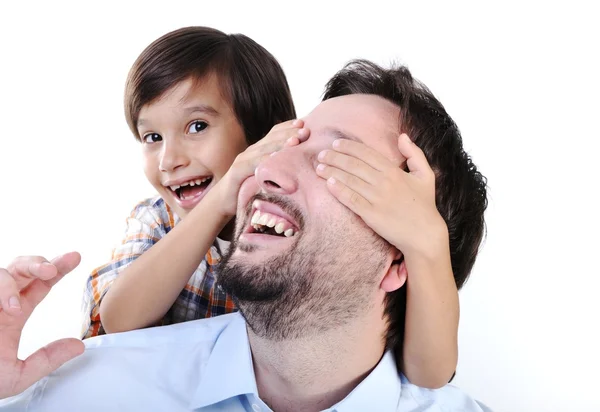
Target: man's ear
[396, 275]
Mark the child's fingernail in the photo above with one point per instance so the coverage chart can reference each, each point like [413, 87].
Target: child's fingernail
[320, 167]
[273, 154]
[331, 181]
[14, 303]
[321, 155]
[336, 143]
[296, 122]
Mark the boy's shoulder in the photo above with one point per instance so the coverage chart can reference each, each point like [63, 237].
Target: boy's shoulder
[153, 203]
[154, 210]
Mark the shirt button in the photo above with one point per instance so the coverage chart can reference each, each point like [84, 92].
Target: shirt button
[256, 407]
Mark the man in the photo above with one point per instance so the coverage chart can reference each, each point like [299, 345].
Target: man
[321, 307]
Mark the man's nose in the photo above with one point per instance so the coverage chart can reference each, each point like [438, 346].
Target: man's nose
[278, 173]
[173, 156]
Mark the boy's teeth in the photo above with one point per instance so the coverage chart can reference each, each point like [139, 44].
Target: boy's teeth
[196, 182]
[289, 232]
[279, 228]
[271, 222]
[255, 218]
[263, 219]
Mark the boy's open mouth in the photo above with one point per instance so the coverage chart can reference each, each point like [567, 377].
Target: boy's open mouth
[191, 188]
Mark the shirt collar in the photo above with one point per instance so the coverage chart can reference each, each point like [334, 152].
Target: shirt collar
[380, 391]
[229, 371]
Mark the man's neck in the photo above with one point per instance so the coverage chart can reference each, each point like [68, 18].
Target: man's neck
[312, 374]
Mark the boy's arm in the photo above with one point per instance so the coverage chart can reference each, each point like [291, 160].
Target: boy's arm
[145, 290]
[148, 222]
[430, 350]
[142, 294]
[400, 206]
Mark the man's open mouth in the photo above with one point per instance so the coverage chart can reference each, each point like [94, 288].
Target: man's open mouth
[270, 224]
[191, 188]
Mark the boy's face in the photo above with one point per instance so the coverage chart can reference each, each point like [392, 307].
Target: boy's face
[190, 137]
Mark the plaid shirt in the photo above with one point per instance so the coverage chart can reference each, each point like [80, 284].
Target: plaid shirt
[150, 221]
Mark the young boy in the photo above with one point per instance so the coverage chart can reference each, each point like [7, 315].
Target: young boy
[199, 101]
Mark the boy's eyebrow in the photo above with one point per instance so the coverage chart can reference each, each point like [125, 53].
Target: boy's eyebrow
[203, 108]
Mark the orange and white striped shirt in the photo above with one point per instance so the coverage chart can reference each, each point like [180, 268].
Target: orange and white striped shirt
[150, 221]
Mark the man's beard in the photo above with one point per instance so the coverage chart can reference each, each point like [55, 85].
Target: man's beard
[306, 290]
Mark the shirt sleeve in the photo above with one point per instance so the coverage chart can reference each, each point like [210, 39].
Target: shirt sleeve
[146, 225]
[22, 401]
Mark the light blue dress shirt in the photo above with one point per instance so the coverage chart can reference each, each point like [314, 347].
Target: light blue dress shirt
[202, 365]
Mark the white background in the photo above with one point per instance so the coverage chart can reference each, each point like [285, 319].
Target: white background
[520, 80]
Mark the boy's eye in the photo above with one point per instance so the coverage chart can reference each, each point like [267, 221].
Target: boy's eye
[197, 126]
[151, 138]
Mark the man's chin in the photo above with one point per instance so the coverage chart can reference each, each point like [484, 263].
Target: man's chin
[249, 254]
[263, 246]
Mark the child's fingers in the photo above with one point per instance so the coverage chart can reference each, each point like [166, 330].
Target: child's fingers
[268, 147]
[353, 182]
[289, 129]
[363, 152]
[298, 123]
[298, 138]
[415, 158]
[348, 197]
[350, 164]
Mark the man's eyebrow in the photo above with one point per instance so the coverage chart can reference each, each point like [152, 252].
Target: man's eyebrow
[202, 108]
[338, 134]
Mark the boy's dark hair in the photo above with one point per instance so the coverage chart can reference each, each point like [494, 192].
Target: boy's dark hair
[460, 189]
[250, 77]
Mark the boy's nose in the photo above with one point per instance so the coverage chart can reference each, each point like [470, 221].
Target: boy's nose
[173, 156]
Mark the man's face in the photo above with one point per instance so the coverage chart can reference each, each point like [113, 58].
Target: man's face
[300, 260]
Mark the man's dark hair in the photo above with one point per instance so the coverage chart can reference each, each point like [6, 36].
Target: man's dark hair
[460, 189]
[250, 77]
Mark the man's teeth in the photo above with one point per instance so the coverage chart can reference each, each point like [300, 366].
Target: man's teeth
[268, 220]
[196, 182]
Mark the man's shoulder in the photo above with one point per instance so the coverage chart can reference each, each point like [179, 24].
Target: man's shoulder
[193, 333]
[149, 369]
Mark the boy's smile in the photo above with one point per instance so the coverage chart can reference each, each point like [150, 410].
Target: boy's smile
[187, 192]
[190, 137]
